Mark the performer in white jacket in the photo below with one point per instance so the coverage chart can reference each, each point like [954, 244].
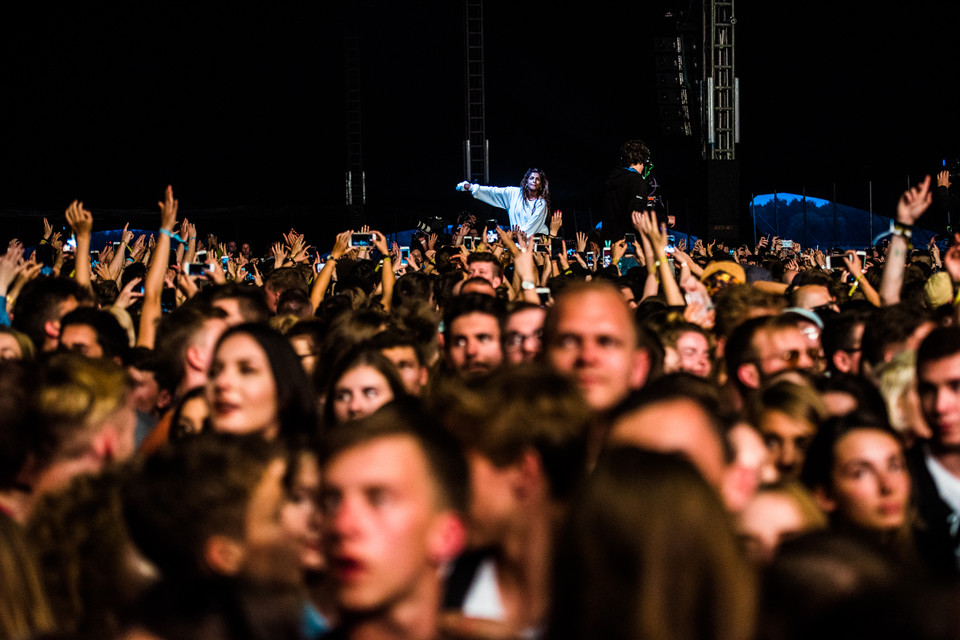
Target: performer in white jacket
[527, 205]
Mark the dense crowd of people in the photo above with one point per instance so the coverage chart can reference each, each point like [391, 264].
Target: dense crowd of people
[487, 434]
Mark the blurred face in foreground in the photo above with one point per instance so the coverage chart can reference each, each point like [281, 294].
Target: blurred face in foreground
[871, 483]
[385, 532]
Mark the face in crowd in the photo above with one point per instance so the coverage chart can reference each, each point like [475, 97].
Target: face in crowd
[242, 392]
[473, 344]
[359, 392]
[593, 338]
[386, 530]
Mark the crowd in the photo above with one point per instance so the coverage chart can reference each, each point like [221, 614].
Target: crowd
[487, 434]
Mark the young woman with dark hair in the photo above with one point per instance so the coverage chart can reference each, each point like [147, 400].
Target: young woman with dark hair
[257, 385]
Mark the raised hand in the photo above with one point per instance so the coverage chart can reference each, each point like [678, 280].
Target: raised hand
[581, 238]
[851, 262]
[943, 179]
[914, 202]
[11, 263]
[47, 229]
[556, 221]
[341, 244]
[279, 254]
[79, 219]
[168, 209]
[187, 229]
[127, 295]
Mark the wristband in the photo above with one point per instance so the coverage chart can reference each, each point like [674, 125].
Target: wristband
[172, 235]
[956, 299]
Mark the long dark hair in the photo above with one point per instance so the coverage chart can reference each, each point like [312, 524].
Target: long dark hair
[296, 401]
[543, 192]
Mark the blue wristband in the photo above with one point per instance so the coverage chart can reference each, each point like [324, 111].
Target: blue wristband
[173, 236]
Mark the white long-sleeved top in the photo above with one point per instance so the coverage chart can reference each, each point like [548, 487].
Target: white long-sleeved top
[529, 215]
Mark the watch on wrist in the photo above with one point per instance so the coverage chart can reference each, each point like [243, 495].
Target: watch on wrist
[528, 285]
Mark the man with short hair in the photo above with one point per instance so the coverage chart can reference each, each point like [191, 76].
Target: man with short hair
[40, 307]
[95, 334]
[625, 190]
[474, 284]
[678, 413]
[206, 513]
[81, 419]
[282, 279]
[935, 465]
[485, 265]
[471, 331]
[524, 432]
[394, 488]
[402, 350]
[761, 347]
[523, 332]
[590, 334]
[241, 302]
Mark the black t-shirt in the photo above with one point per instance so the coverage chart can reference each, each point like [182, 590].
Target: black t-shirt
[625, 191]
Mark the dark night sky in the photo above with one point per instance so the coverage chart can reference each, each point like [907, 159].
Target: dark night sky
[245, 107]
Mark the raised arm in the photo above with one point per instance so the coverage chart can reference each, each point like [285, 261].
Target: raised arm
[153, 287]
[647, 222]
[81, 221]
[322, 281]
[912, 204]
[387, 277]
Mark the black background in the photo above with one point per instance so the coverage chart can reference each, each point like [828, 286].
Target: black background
[243, 108]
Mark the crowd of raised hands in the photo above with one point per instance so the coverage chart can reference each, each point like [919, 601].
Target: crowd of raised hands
[177, 259]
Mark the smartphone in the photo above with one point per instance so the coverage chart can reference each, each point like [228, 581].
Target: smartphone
[630, 238]
[201, 256]
[116, 244]
[834, 261]
[541, 247]
[786, 244]
[491, 231]
[361, 240]
[606, 256]
[224, 260]
[196, 269]
[571, 253]
[318, 266]
[404, 254]
[591, 257]
[544, 294]
[468, 242]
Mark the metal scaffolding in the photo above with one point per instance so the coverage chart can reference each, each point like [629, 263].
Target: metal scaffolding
[722, 92]
[356, 182]
[476, 148]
